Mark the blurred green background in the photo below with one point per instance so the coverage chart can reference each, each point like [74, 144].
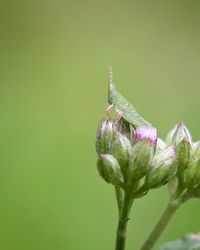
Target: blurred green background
[53, 92]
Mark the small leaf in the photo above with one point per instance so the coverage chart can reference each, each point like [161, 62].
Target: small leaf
[188, 242]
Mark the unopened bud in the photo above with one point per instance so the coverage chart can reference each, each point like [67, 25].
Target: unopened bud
[160, 146]
[192, 174]
[164, 155]
[145, 133]
[104, 136]
[181, 133]
[170, 135]
[140, 159]
[109, 169]
[181, 138]
[142, 152]
[120, 149]
[163, 168]
[196, 150]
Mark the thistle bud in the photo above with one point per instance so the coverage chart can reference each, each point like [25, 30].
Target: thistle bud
[109, 169]
[105, 133]
[163, 168]
[192, 174]
[142, 151]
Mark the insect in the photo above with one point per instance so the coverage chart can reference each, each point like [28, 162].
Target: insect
[122, 107]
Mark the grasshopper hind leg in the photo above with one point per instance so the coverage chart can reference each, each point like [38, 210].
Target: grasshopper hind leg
[117, 117]
[118, 114]
[108, 109]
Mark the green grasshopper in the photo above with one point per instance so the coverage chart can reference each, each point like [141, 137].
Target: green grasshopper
[122, 107]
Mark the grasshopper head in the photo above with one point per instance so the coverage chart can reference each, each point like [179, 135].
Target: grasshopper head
[111, 91]
[111, 86]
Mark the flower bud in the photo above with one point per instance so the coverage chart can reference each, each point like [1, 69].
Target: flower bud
[181, 138]
[180, 133]
[111, 141]
[196, 150]
[163, 168]
[145, 133]
[140, 158]
[170, 135]
[109, 169]
[142, 152]
[161, 145]
[120, 149]
[192, 174]
[164, 155]
[104, 136]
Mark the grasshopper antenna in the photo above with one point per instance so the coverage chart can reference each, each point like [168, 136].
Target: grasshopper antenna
[110, 88]
[110, 76]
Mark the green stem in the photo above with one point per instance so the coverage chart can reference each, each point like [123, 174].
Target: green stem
[119, 197]
[123, 221]
[160, 226]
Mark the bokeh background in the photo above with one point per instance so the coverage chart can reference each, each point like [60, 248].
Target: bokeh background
[53, 92]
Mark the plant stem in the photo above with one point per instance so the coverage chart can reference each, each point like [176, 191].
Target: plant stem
[160, 226]
[123, 221]
[119, 197]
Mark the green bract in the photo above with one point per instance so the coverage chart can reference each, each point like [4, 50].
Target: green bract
[170, 135]
[192, 175]
[196, 149]
[120, 148]
[163, 168]
[109, 169]
[183, 152]
[161, 145]
[104, 136]
[140, 159]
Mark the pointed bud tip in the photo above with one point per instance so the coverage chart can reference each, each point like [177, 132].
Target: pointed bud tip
[163, 168]
[182, 133]
[178, 133]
